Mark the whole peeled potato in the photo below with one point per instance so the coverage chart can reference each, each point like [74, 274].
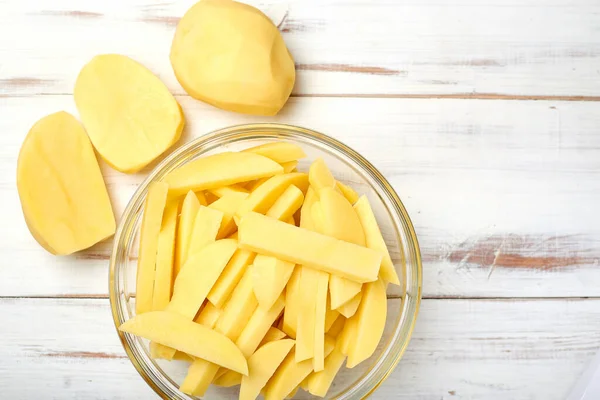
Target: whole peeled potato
[232, 56]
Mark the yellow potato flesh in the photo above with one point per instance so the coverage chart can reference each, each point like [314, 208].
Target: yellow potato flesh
[165, 255]
[320, 312]
[337, 327]
[291, 373]
[289, 166]
[287, 204]
[298, 245]
[187, 217]
[374, 239]
[230, 277]
[263, 197]
[349, 193]
[208, 316]
[228, 205]
[151, 222]
[349, 308]
[239, 308]
[201, 199]
[320, 176]
[280, 152]
[293, 303]
[262, 365]
[206, 227]
[198, 378]
[230, 55]
[305, 331]
[338, 219]
[272, 335]
[225, 190]
[330, 317]
[228, 379]
[198, 276]
[270, 276]
[183, 334]
[319, 382]
[369, 325]
[219, 170]
[63, 196]
[250, 338]
[237, 311]
[128, 113]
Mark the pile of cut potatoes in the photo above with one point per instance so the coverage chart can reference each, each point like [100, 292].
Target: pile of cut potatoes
[256, 274]
[260, 275]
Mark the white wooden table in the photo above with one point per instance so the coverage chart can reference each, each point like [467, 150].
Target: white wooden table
[483, 114]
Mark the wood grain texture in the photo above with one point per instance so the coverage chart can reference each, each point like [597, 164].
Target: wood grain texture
[487, 48]
[478, 349]
[503, 198]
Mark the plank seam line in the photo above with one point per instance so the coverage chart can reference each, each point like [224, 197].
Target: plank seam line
[453, 96]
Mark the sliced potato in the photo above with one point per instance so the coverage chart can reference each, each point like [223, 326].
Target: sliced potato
[320, 176]
[263, 197]
[287, 204]
[232, 189]
[291, 373]
[250, 338]
[209, 315]
[319, 382]
[198, 276]
[63, 196]
[183, 334]
[239, 308]
[269, 278]
[219, 170]
[187, 217]
[289, 166]
[287, 242]
[228, 205]
[319, 332]
[280, 152]
[272, 335]
[165, 256]
[230, 277]
[156, 200]
[293, 303]
[349, 193]
[374, 239]
[206, 227]
[369, 325]
[262, 365]
[349, 308]
[128, 113]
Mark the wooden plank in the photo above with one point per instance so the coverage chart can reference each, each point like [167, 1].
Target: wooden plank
[477, 349]
[487, 48]
[503, 194]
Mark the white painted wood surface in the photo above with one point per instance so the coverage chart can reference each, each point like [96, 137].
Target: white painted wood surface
[484, 116]
[481, 47]
[461, 349]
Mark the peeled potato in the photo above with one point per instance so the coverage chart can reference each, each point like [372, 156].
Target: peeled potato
[232, 56]
[127, 111]
[63, 195]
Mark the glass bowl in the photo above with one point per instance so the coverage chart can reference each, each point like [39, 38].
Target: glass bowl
[347, 166]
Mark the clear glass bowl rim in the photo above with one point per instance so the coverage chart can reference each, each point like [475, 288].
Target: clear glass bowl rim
[403, 332]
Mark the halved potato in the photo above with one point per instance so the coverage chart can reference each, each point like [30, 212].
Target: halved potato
[129, 114]
[62, 193]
